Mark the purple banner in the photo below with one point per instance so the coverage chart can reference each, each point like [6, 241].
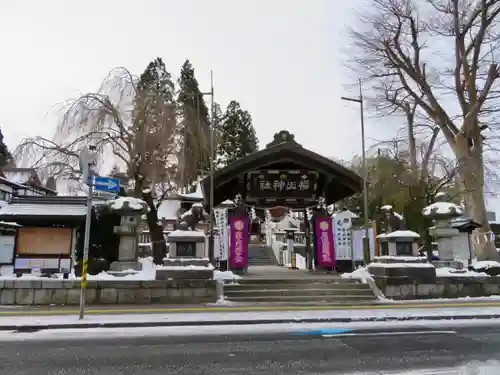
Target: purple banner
[238, 247]
[325, 251]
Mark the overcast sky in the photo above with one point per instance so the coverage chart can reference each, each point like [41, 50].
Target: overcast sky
[282, 60]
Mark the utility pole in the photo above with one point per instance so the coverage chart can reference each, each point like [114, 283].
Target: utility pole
[212, 168]
[366, 242]
[88, 159]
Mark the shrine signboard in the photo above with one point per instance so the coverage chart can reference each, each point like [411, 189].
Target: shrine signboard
[281, 185]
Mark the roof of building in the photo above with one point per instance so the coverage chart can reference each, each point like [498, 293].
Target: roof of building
[26, 177]
[45, 206]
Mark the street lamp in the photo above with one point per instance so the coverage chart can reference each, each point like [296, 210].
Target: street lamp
[366, 243]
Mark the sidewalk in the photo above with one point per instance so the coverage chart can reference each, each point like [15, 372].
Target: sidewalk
[39, 311]
[241, 316]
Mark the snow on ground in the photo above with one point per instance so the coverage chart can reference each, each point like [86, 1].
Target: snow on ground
[485, 264]
[452, 272]
[356, 315]
[148, 272]
[360, 274]
[402, 265]
[445, 326]
[443, 300]
[225, 275]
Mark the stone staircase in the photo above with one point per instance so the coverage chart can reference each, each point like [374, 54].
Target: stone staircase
[261, 256]
[305, 291]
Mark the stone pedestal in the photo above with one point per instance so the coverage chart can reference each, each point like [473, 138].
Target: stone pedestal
[130, 209]
[399, 243]
[186, 258]
[127, 250]
[446, 239]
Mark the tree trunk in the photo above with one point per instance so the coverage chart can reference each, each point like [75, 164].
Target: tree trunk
[156, 231]
[471, 172]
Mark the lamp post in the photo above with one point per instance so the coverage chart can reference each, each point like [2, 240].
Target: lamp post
[366, 242]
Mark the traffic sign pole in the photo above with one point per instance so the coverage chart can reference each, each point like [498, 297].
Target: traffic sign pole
[87, 167]
[86, 245]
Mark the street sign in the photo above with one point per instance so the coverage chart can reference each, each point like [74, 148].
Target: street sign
[109, 184]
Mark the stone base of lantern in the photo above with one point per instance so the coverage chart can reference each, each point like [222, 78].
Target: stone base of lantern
[183, 262]
[121, 266]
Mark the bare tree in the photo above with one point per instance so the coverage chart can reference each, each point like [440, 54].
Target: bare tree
[130, 124]
[404, 43]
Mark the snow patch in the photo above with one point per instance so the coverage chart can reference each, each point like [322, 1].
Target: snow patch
[402, 234]
[361, 274]
[133, 203]
[452, 272]
[401, 265]
[225, 275]
[186, 233]
[485, 264]
[442, 208]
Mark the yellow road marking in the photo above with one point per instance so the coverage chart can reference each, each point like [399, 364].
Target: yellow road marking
[151, 310]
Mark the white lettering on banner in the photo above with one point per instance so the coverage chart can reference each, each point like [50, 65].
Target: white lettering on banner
[239, 225]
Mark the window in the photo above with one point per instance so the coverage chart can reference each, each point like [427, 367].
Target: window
[404, 248]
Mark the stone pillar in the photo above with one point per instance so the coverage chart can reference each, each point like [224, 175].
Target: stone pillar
[442, 212]
[127, 250]
[290, 237]
[131, 210]
[186, 248]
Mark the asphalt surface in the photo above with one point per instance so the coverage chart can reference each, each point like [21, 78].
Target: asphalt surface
[468, 350]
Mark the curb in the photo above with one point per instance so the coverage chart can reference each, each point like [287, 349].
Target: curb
[38, 327]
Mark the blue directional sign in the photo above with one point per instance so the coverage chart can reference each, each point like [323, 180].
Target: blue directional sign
[109, 184]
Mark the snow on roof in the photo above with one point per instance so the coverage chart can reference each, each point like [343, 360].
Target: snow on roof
[40, 209]
[9, 224]
[168, 209]
[186, 233]
[399, 216]
[402, 234]
[132, 203]
[198, 194]
[345, 213]
[442, 208]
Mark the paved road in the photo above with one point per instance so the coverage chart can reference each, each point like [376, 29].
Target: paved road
[387, 352]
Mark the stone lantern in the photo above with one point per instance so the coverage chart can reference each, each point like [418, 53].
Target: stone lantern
[130, 209]
[442, 213]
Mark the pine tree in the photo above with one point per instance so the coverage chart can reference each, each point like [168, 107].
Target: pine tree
[155, 131]
[237, 136]
[5, 155]
[195, 151]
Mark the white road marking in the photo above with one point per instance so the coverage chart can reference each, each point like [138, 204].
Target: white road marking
[391, 333]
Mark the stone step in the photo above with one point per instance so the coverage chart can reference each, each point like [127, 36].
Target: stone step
[284, 286]
[307, 279]
[230, 293]
[260, 261]
[334, 299]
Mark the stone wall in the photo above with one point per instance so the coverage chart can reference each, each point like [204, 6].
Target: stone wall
[67, 292]
[401, 288]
